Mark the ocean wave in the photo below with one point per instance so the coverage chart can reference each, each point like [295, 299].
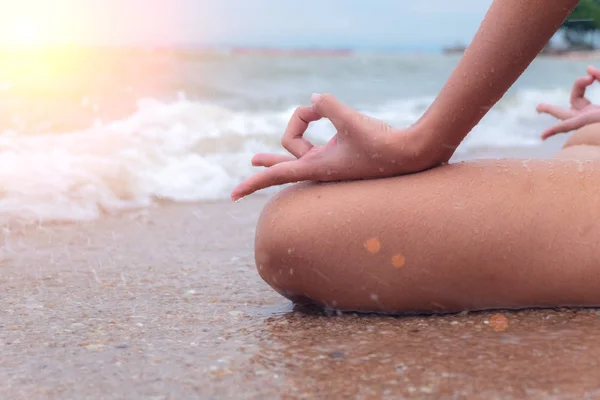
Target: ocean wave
[190, 151]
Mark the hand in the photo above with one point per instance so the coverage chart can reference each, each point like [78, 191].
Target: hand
[582, 111]
[362, 148]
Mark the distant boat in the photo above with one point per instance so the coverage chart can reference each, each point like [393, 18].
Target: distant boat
[454, 49]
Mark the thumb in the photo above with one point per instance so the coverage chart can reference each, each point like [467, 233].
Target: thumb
[327, 106]
[279, 174]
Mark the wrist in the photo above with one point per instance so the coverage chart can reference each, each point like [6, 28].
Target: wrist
[431, 143]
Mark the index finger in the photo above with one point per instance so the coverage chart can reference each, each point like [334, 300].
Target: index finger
[555, 111]
[593, 71]
[293, 140]
[578, 100]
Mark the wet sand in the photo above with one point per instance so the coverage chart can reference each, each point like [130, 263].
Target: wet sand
[166, 304]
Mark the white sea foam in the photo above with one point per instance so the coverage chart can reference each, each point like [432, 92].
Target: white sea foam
[188, 151]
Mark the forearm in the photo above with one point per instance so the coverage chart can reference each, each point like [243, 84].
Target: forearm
[511, 35]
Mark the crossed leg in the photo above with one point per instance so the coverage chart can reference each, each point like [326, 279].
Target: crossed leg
[482, 234]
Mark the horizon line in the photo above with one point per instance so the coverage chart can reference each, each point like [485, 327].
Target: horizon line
[427, 48]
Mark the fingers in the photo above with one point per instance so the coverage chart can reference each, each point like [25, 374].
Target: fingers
[268, 160]
[292, 139]
[578, 100]
[593, 71]
[283, 169]
[555, 111]
[324, 106]
[279, 174]
[571, 124]
[329, 107]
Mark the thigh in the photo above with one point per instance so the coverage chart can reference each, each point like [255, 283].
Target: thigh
[473, 235]
[579, 152]
[583, 144]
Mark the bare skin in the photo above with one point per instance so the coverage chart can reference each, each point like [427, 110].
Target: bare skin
[511, 35]
[476, 235]
[582, 112]
[509, 38]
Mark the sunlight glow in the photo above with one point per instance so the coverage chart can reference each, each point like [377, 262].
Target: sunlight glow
[44, 43]
[25, 34]
[41, 23]
[30, 23]
[29, 31]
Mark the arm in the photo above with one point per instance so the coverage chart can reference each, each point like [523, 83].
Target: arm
[512, 34]
[510, 37]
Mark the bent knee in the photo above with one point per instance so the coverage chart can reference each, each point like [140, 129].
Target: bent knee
[305, 245]
[285, 233]
[338, 244]
[588, 135]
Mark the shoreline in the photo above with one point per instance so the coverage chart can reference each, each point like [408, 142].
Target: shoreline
[574, 55]
[98, 51]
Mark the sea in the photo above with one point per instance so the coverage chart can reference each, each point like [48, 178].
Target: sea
[89, 132]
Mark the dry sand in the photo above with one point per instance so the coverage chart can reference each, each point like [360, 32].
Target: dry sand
[166, 304]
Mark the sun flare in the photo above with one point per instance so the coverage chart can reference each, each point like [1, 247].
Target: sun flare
[25, 33]
[32, 24]
[29, 29]
[44, 43]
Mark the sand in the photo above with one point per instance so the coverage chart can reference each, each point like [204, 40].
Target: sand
[166, 304]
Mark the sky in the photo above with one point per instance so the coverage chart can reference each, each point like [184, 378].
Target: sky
[386, 24]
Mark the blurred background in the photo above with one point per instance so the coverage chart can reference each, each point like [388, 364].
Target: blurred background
[110, 105]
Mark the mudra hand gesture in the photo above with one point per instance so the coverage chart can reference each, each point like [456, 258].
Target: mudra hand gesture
[362, 148]
[582, 111]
